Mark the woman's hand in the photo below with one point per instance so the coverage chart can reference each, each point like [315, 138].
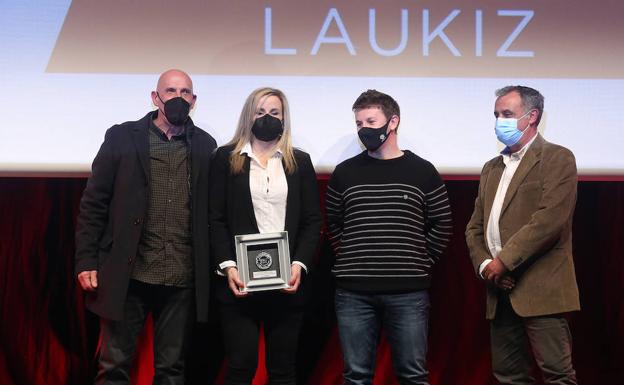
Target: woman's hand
[295, 279]
[234, 281]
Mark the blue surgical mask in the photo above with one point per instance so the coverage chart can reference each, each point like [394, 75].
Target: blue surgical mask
[507, 130]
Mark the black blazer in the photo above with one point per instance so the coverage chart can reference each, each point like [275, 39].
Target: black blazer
[113, 207]
[232, 213]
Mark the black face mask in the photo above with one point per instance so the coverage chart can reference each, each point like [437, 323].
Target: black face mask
[267, 128]
[373, 138]
[176, 110]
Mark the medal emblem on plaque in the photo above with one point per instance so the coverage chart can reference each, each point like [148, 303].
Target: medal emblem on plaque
[264, 260]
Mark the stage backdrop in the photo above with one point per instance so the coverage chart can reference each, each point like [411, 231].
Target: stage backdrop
[47, 337]
[71, 69]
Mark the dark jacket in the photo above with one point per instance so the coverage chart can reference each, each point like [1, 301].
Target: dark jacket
[232, 213]
[113, 207]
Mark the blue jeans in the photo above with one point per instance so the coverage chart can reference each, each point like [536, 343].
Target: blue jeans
[405, 320]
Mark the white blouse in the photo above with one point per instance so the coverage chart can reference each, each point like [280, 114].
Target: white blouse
[269, 190]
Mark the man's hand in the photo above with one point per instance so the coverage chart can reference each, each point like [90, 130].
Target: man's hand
[295, 279]
[505, 283]
[494, 270]
[88, 280]
[496, 273]
[234, 281]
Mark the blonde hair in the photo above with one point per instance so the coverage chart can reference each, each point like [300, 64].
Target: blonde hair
[243, 134]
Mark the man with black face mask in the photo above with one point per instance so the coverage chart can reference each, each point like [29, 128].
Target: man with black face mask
[141, 240]
[389, 221]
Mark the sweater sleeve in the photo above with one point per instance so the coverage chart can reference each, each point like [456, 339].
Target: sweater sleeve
[334, 206]
[439, 226]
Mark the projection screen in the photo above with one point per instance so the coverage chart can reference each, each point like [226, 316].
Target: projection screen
[71, 69]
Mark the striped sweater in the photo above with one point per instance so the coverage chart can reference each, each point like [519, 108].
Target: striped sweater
[389, 221]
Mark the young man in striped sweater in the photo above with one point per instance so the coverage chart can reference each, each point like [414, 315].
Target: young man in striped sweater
[389, 221]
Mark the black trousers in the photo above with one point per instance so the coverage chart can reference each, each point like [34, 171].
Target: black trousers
[241, 331]
[173, 312]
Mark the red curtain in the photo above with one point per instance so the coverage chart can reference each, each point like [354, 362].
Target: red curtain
[46, 336]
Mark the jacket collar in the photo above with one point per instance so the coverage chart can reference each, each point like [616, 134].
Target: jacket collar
[140, 137]
[529, 160]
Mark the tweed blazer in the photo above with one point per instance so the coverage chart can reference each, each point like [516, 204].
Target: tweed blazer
[535, 228]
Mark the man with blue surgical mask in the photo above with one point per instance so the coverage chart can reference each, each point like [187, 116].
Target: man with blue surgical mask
[520, 243]
[507, 130]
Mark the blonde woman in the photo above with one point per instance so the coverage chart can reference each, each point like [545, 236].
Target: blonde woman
[261, 184]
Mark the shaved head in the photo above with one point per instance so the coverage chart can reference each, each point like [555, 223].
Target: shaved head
[172, 84]
[168, 76]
